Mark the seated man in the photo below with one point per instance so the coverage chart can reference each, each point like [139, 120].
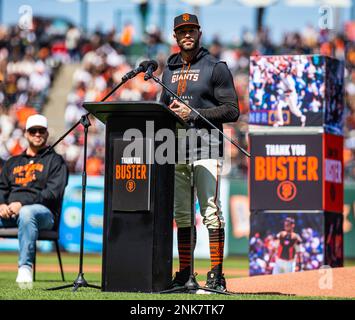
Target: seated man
[31, 190]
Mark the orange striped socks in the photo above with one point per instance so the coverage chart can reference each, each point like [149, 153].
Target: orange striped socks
[216, 237]
[184, 247]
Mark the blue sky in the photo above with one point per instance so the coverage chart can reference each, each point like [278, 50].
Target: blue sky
[226, 18]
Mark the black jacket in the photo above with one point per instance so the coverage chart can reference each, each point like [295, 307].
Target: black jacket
[34, 180]
[206, 84]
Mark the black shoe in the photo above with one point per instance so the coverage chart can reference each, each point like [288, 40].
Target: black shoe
[216, 281]
[180, 278]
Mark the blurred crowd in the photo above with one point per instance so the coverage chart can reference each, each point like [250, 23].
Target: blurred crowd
[27, 70]
[29, 61]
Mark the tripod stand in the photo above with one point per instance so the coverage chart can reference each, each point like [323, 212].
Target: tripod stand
[85, 122]
[80, 280]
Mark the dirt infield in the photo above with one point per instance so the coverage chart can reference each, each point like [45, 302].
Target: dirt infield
[337, 282]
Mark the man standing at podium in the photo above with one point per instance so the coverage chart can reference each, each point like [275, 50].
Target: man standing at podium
[205, 84]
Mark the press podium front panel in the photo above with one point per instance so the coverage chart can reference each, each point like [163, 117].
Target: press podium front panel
[139, 197]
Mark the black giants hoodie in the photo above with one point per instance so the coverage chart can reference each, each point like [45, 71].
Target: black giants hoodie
[34, 180]
[205, 84]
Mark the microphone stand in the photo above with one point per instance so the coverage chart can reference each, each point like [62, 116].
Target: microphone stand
[191, 286]
[85, 122]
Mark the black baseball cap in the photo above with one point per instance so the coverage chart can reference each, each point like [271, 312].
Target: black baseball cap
[185, 19]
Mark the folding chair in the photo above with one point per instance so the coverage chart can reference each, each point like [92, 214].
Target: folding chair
[51, 235]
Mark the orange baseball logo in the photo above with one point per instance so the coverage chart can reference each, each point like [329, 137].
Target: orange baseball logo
[27, 173]
[130, 185]
[286, 191]
[186, 17]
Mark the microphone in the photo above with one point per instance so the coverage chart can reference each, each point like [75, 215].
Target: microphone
[152, 66]
[141, 68]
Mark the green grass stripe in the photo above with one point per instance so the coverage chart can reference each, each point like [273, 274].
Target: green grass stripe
[9, 290]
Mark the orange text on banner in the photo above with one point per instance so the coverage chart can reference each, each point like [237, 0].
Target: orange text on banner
[131, 171]
[286, 168]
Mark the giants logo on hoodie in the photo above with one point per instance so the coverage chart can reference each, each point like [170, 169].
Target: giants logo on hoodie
[26, 173]
[180, 75]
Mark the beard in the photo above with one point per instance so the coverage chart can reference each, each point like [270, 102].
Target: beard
[190, 47]
[38, 144]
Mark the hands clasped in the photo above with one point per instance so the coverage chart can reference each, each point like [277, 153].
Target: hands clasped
[11, 210]
[180, 109]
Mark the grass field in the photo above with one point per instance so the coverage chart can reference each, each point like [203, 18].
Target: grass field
[10, 291]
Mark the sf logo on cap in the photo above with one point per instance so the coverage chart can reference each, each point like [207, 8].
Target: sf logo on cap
[186, 17]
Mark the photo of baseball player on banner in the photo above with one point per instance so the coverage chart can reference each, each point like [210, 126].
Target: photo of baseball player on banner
[292, 242]
[297, 90]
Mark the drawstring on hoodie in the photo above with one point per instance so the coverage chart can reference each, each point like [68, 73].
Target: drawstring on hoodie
[183, 80]
[175, 63]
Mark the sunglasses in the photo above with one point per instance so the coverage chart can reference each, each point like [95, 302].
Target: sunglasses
[33, 131]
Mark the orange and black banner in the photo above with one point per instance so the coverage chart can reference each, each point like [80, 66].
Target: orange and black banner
[131, 176]
[286, 172]
[333, 186]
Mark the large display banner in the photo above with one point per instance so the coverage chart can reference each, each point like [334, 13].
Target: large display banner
[296, 172]
[282, 242]
[286, 172]
[297, 90]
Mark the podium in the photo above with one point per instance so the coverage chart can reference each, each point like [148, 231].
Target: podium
[139, 197]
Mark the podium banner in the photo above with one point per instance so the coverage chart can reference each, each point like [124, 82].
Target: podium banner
[131, 182]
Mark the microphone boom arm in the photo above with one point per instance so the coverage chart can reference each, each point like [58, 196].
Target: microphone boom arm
[157, 80]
